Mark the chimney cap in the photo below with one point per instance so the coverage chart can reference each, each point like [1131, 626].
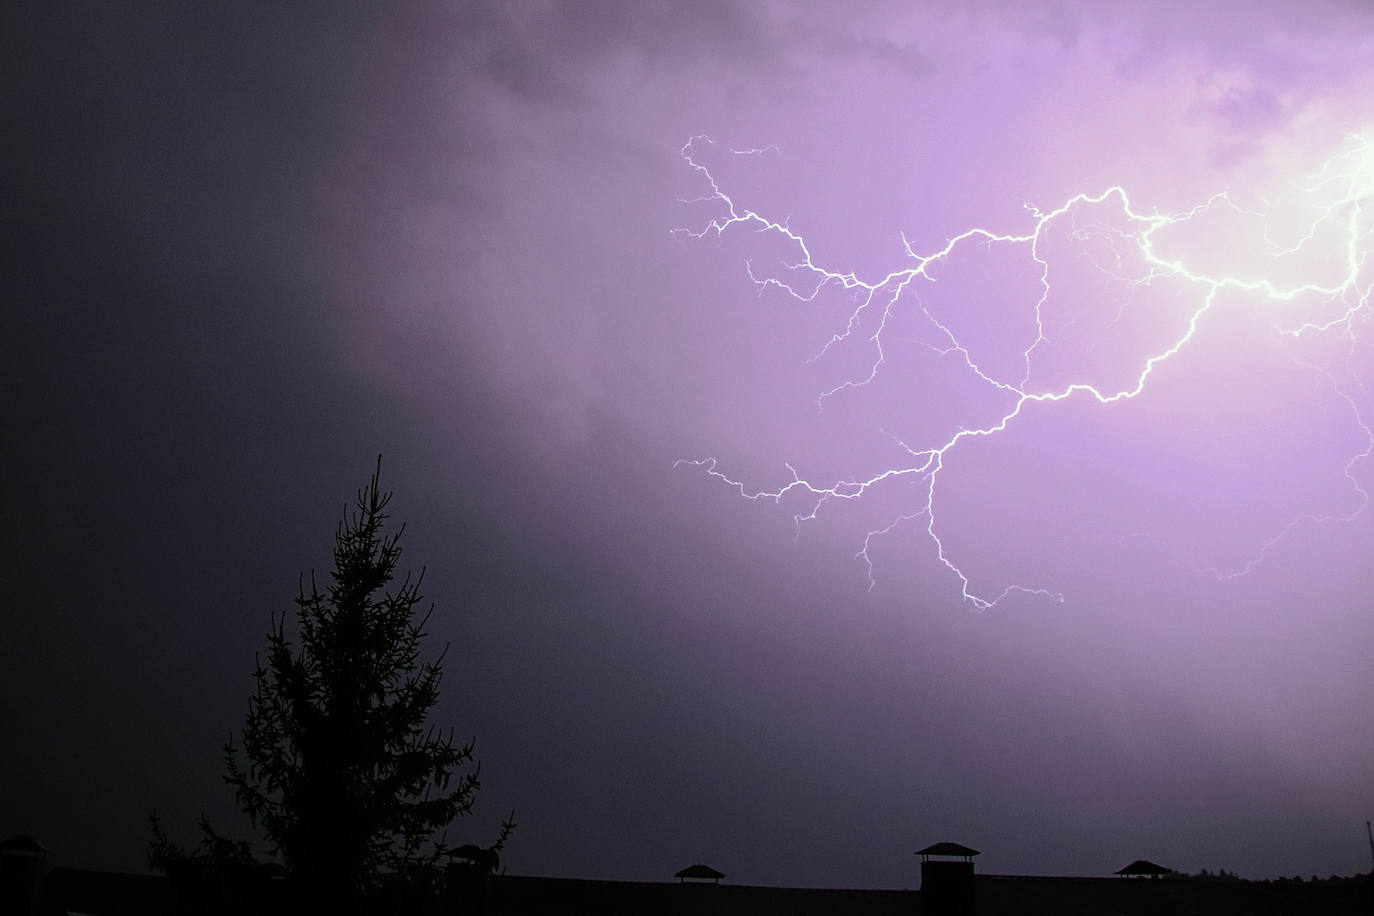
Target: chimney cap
[23, 843]
[947, 849]
[1144, 867]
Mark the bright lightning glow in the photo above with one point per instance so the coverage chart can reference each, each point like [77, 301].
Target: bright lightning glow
[1310, 269]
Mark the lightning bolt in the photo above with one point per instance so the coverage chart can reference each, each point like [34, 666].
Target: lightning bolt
[1335, 200]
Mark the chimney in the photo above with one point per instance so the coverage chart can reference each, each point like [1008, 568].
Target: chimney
[23, 866]
[947, 880]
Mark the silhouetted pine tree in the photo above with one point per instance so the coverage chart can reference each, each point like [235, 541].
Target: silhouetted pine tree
[343, 775]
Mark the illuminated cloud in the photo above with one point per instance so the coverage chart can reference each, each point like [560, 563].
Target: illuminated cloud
[1119, 293]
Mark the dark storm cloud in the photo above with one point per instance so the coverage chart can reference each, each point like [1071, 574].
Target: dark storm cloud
[168, 374]
[256, 244]
[541, 53]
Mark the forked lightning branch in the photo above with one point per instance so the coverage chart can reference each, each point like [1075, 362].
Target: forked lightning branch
[1327, 206]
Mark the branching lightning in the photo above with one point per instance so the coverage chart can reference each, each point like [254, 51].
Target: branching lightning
[1335, 201]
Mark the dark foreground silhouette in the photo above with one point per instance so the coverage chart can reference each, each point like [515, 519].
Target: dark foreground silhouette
[949, 887]
[338, 767]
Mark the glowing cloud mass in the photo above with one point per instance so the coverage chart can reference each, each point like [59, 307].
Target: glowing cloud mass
[1117, 293]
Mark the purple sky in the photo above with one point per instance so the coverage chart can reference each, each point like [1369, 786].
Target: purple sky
[251, 246]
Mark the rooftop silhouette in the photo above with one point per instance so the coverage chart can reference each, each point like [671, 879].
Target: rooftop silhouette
[699, 873]
[1143, 867]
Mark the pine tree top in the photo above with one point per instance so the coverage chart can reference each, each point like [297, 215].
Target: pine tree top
[342, 772]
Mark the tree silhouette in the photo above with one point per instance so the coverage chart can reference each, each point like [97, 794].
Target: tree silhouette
[342, 773]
